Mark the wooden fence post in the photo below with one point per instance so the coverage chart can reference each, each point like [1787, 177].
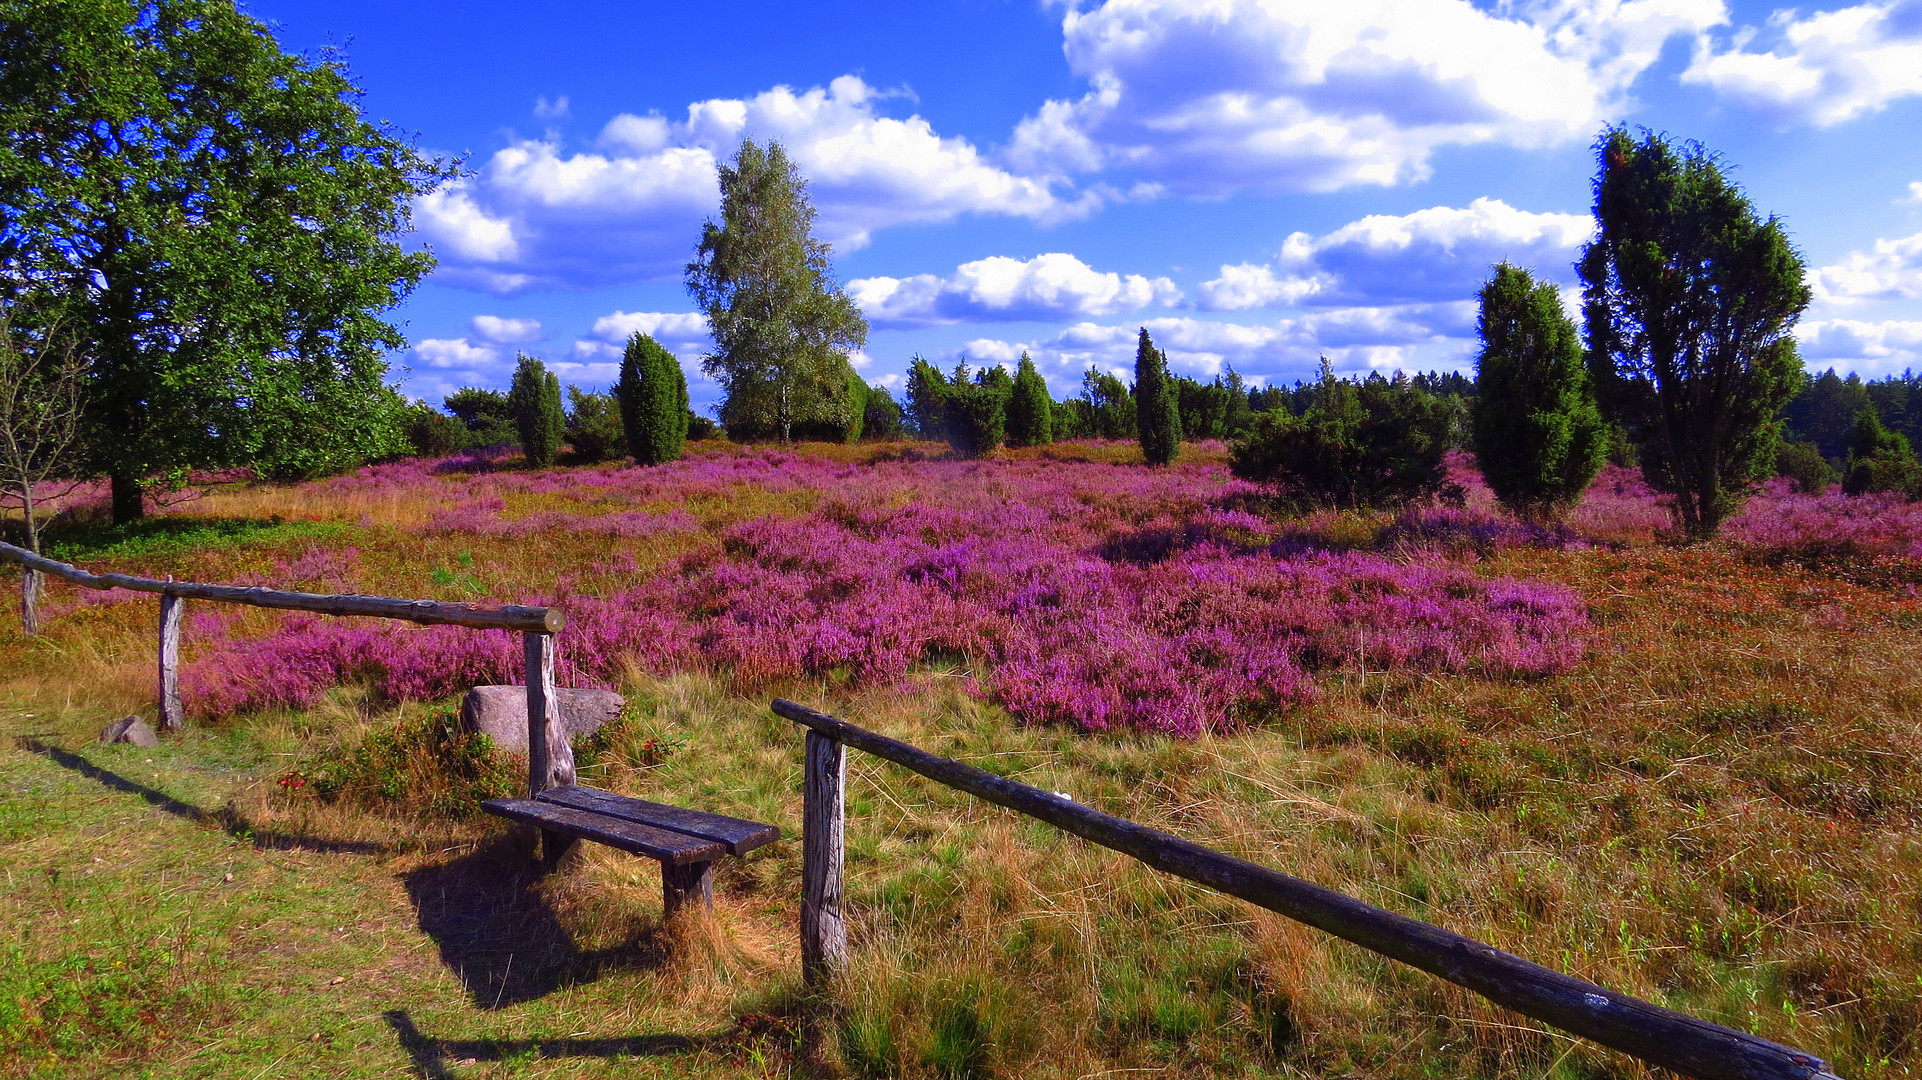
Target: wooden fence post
[171, 714]
[30, 600]
[824, 937]
[550, 758]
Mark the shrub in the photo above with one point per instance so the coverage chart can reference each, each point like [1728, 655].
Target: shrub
[1379, 444]
[593, 424]
[700, 427]
[535, 400]
[1880, 459]
[653, 396]
[971, 415]
[1538, 434]
[1110, 405]
[1803, 463]
[489, 418]
[433, 433]
[1030, 409]
[881, 416]
[428, 763]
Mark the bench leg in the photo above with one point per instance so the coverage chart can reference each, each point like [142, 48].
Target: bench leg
[693, 883]
[554, 846]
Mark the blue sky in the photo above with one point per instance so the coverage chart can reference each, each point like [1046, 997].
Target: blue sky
[1258, 183]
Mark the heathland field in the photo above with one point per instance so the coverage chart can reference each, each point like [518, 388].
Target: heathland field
[1690, 773]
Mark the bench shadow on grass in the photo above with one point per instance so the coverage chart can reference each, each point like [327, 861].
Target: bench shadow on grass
[431, 1057]
[227, 819]
[498, 934]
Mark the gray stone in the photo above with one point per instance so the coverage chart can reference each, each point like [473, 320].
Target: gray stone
[500, 713]
[134, 730]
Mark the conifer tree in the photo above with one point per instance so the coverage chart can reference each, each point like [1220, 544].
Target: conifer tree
[1538, 434]
[1030, 409]
[1157, 413]
[1691, 300]
[535, 398]
[653, 395]
[927, 410]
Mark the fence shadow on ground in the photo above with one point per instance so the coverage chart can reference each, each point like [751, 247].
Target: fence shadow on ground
[227, 819]
[431, 1057]
[499, 935]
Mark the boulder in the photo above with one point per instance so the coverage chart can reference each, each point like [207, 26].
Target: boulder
[500, 713]
[133, 729]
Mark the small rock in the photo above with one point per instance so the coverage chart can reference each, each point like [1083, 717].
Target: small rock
[226, 877]
[500, 713]
[131, 729]
[337, 980]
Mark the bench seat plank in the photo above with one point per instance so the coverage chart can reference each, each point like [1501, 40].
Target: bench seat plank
[737, 834]
[671, 848]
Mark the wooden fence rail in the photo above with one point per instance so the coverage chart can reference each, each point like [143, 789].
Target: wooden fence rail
[1644, 1030]
[550, 760]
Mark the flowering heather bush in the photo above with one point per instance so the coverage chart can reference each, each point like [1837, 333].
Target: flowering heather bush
[1782, 519]
[1095, 595]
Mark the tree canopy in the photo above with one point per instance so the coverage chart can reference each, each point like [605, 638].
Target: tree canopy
[781, 324]
[1690, 299]
[218, 219]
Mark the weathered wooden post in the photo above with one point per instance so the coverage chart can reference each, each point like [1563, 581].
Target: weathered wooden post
[824, 937]
[550, 758]
[684, 885]
[172, 716]
[30, 600]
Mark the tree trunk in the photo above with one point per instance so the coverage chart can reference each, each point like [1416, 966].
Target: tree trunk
[29, 577]
[127, 502]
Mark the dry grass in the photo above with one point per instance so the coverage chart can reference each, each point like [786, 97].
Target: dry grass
[1717, 811]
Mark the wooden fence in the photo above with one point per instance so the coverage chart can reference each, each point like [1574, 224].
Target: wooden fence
[550, 760]
[1644, 1030]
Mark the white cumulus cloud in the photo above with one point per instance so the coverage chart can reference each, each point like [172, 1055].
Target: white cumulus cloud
[538, 214]
[1823, 68]
[1891, 271]
[1438, 255]
[1214, 96]
[683, 333]
[1870, 349]
[505, 331]
[1050, 286]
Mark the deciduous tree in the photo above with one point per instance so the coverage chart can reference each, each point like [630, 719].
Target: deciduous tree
[223, 222]
[41, 383]
[781, 324]
[1690, 298]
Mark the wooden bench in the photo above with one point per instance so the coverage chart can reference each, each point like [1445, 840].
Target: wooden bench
[685, 841]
